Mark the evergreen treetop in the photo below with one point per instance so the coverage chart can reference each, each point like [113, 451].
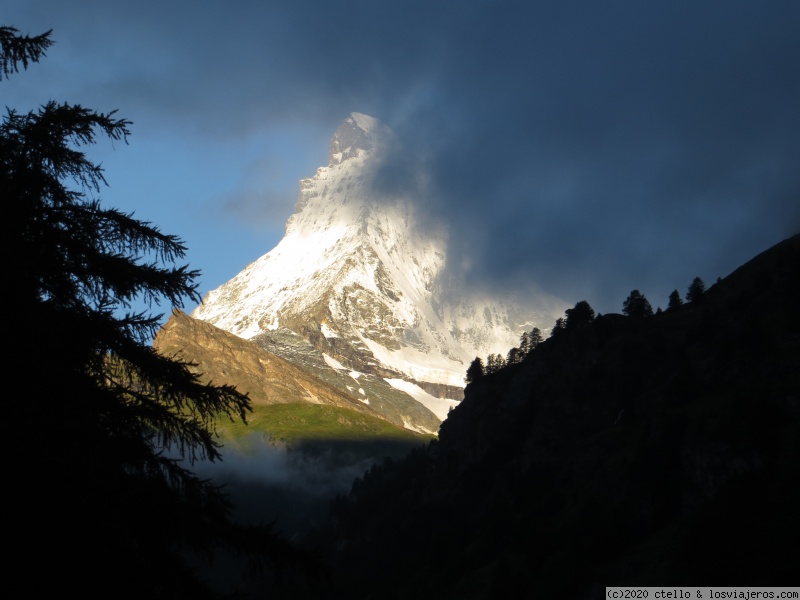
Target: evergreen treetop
[475, 370]
[580, 315]
[636, 305]
[674, 300]
[696, 290]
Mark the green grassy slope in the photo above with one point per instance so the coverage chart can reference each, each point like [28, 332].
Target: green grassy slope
[309, 426]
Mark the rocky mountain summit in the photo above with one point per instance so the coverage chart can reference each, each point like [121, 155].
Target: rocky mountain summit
[358, 287]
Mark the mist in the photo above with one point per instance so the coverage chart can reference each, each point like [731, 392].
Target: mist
[290, 487]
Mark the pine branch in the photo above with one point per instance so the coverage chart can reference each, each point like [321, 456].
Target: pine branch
[20, 50]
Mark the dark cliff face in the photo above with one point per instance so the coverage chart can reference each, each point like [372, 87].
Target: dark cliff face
[630, 451]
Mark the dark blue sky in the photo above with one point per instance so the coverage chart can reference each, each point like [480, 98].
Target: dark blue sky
[584, 147]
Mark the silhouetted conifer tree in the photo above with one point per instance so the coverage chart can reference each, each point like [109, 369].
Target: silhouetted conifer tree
[514, 356]
[495, 362]
[559, 326]
[696, 290]
[535, 338]
[674, 300]
[636, 305]
[579, 315]
[475, 370]
[525, 343]
[101, 487]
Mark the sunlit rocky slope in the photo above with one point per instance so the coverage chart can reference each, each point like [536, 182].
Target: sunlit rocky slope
[281, 367]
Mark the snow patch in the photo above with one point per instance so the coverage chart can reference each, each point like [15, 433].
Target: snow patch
[420, 365]
[333, 363]
[438, 406]
[418, 429]
[327, 331]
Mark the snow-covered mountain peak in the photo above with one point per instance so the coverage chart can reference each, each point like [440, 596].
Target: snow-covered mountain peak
[358, 278]
[357, 135]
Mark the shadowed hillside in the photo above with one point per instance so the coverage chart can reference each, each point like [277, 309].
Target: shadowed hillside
[659, 450]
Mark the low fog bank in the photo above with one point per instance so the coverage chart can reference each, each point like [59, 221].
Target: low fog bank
[287, 487]
[290, 487]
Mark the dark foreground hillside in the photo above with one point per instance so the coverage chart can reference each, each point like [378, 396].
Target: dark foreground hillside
[660, 450]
